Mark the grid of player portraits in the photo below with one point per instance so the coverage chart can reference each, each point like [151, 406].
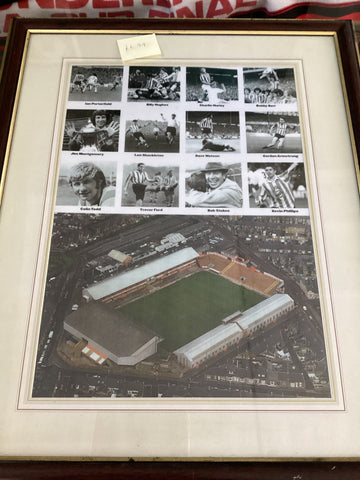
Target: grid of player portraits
[172, 139]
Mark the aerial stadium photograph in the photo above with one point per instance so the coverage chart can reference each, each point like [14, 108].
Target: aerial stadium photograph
[179, 306]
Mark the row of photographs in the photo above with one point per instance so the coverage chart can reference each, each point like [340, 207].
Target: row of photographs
[164, 130]
[203, 85]
[211, 184]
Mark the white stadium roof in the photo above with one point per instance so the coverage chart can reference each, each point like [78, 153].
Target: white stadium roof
[207, 341]
[137, 275]
[218, 334]
[271, 304]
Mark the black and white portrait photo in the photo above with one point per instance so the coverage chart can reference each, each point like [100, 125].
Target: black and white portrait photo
[153, 130]
[269, 86]
[212, 131]
[87, 183]
[211, 85]
[154, 84]
[273, 132]
[213, 184]
[91, 131]
[96, 83]
[154, 185]
[277, 185]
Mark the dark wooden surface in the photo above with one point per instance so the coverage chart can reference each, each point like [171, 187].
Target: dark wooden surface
[180, 470]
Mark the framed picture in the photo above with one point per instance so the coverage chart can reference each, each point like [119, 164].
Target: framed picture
[180, 240]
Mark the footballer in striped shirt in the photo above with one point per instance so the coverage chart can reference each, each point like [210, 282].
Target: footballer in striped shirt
[205, 79]
[278, 130]
[276, 191]
[207, 126]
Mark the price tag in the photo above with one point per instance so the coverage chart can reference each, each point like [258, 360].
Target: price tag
[139, 47]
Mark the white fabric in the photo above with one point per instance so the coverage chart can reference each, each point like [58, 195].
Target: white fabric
[158, 9]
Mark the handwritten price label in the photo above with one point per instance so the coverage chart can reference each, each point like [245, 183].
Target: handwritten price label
[139, 47]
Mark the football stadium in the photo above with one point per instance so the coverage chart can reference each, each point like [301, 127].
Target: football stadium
[196, 305]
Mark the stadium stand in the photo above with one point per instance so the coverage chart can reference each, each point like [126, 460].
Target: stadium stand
[135, 279]
[232, 330]
[111, 334]
[240, 273]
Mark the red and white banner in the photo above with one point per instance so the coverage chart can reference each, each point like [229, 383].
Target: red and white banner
[175, 9]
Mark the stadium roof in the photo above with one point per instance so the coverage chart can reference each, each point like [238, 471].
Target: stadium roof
[269, 305]
[137, 275]
[112, 329]
[218, 334]
[232, 317]
[207, 341]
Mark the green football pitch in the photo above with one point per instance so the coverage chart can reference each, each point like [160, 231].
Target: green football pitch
[192, 306]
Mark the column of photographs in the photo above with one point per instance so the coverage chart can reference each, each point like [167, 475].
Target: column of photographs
[165, 139]
[182, 260]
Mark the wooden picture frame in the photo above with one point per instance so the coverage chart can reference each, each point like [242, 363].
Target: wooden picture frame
[35, 101]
